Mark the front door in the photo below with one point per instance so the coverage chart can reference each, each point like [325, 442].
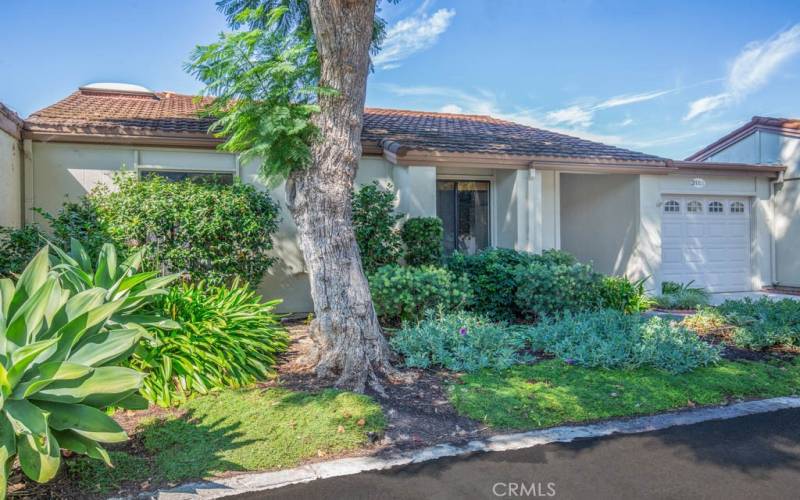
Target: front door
[463, 207]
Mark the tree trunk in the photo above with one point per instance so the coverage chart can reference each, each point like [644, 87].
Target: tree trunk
[349, 341]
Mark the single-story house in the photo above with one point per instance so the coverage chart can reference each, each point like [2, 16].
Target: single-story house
[493, 183]
[770, 141]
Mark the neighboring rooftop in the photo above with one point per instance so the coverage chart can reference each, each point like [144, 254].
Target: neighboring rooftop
[785, 125]
[127, 112]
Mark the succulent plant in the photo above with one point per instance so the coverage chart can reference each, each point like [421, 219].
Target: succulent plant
[62, 332]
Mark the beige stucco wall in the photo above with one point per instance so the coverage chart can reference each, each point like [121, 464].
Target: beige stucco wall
[10, 180]
[599, 219]
[769, 147]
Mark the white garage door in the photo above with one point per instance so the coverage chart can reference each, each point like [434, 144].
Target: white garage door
[706, 239]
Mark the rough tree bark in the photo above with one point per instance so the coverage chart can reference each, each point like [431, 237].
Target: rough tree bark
[350, 344]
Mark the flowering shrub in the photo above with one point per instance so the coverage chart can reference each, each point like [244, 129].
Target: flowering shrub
[459, 341]
[612, 339]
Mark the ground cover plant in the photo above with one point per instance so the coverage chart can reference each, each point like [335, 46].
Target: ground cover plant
[404, 293]
[237, 430]
[553, 392]
[460, 341]
[758, 324]
[60, 347]
[224, 337]
[611, 339]
[681, 296]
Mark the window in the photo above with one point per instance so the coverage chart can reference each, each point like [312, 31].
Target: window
[694, 207]
[737, 207]
[672, 206]
[715, 207]
[180, 175]
[463, 207]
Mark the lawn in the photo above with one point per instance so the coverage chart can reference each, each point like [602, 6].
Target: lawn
[244, 430]
[552, 393]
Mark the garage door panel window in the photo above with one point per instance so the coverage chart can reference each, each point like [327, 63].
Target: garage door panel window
[694, 207]
[672, 207]
[737, 207]
[716, 207]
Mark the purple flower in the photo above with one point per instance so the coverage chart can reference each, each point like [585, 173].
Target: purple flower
[463, 331]
[569, 361]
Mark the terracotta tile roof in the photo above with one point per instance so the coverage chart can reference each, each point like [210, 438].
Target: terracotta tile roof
[163, 113]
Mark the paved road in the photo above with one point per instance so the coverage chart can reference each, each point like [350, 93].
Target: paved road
[755, 457]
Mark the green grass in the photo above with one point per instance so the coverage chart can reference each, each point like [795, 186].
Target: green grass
[245, 430]
[552, 393]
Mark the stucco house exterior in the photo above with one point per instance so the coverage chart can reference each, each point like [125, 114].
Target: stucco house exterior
[10, 168]
[770, 141]
[493, 183]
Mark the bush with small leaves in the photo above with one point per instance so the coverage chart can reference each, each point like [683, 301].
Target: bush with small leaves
[17, 248]
[404, 293]
[423, 237]
[547, 290]
[374, 222]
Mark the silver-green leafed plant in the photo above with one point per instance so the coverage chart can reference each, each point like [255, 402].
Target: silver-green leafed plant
[62, 333]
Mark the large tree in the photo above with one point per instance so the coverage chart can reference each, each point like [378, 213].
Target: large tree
[289, 86]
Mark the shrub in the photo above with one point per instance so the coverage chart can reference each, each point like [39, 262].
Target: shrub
[80, 221]
[423, 237]
[681, 296]
[492, 278]
[374, 222]
[404, 293]
[17, 248]
[459, 341]
[763, 323]
[205, 231]
[611, 339]
[227, 338]
[619, 293]
[545, 290]
[59, 352]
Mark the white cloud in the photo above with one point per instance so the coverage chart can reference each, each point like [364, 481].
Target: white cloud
[573, 115]
[583, 115]
[451, 108]
[625, 122]
[411, 35]
[751, 70]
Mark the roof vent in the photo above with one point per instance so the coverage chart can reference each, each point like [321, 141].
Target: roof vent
[117, 88]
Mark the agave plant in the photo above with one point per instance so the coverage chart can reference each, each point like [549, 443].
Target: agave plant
[59, 344]
[122, 281]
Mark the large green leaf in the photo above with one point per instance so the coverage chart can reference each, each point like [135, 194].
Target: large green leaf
[104, 387]
[105, 347]
[133, 402]
[8, 449]
[73, 441]
[46, 374]
[85, 420]
[23, 357]
[31, 279]
[28, 318]
[26, 417]
[39, 456]
[106, 272]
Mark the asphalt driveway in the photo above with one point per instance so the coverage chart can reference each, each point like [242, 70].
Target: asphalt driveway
[755, 457]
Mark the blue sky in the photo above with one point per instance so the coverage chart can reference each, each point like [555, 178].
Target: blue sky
[664, 77]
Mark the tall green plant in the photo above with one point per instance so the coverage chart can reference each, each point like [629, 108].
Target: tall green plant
[17, 248]
[59, 350]
[227, 338]
[374, 221]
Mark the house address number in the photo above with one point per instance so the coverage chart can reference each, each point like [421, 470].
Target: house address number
[698, 183]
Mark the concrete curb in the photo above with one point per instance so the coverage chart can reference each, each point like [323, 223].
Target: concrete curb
[248, 483]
